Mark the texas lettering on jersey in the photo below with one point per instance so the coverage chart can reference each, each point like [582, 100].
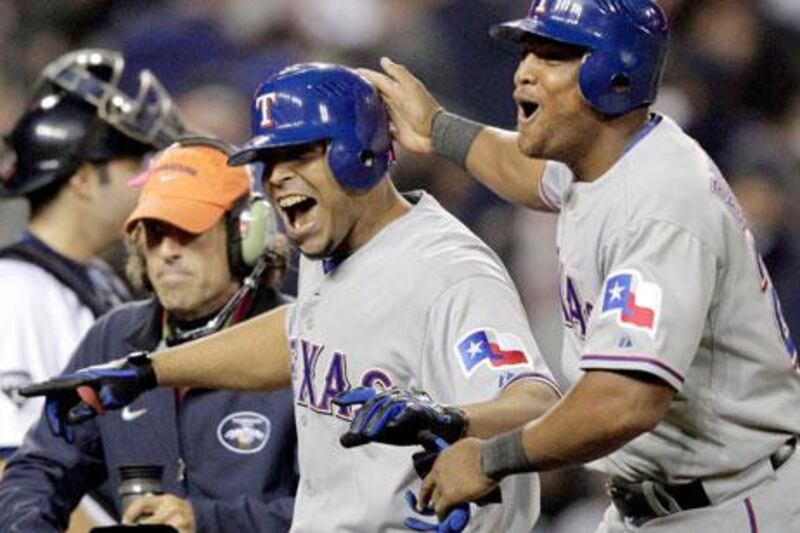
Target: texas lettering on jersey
[576, 310]
[317, 383]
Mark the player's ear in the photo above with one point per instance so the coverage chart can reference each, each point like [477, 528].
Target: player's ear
[83, 182]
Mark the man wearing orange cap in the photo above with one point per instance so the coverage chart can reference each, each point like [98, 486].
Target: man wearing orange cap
[207, 251]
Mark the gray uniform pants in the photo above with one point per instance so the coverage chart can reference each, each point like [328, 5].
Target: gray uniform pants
[772, 506]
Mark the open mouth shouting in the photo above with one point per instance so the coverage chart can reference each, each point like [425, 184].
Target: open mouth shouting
[527, 109]
[299, 214]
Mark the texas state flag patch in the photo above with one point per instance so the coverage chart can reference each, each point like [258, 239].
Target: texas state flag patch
[487, 347]
[635, 302]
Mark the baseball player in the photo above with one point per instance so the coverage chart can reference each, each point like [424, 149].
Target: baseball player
[69, 155]
[393, 292]
[685, 375]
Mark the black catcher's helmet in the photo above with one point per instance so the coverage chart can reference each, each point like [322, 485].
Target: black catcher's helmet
[78, 114]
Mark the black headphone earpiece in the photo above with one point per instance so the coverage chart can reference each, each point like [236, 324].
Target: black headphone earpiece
[251, 223]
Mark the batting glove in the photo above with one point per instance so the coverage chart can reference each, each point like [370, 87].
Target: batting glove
[76, 397]
[398, 416]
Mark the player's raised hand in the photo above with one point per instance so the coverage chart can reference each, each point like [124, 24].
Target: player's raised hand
[411, 106]
[398, 417]
[83, 394]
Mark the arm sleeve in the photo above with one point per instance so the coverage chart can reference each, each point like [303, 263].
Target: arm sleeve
[653, 305]
[478, 342]
[554, 184]
[245, 513]
[46, 478]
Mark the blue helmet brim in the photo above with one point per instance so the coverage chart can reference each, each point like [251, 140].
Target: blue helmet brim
[512, 31]
[254, 150]
[516, 30]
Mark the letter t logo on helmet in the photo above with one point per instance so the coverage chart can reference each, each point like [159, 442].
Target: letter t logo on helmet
[263, 103]
[321, 102]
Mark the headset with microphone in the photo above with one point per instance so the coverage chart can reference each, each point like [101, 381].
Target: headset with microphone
[252, 230]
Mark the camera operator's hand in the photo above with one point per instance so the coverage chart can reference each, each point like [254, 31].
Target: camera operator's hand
[165, 509]
[78, 396]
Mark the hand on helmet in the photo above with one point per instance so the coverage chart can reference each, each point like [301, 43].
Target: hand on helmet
[411, 106]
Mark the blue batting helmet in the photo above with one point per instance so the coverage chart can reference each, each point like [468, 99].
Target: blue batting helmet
[626, 40]
[314, 102]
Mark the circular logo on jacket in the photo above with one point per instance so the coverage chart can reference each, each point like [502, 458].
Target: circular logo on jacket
[244, 432]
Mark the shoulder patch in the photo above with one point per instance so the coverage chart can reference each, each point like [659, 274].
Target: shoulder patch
[487, 346]
[244, 432]
[635, 302]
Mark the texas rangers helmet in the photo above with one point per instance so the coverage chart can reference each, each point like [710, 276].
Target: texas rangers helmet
[77, 114]
[314, 102]
[626, 42]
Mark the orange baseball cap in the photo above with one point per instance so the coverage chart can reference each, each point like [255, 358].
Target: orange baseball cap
[190, 187]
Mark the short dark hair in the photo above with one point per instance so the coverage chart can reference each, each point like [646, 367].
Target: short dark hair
[42, 197]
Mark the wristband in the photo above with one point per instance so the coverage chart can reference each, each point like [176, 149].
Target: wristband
[452, 136]
[505, 455]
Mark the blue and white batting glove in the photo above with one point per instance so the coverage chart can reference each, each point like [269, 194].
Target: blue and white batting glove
[397, 416]
[78, 396]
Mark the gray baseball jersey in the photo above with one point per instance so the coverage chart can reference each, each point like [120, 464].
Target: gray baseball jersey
[423, 304]
[659, 274]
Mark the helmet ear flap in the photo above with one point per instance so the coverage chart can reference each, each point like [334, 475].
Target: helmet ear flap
[355, 167]
[606, 83]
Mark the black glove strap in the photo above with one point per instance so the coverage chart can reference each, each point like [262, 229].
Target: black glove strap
[458, 426]
[144, 368]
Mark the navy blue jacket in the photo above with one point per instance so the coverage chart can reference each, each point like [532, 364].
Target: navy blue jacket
[231, 454]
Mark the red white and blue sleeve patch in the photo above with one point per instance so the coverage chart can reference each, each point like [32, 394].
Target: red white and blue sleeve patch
[487, 347]
[634, 302]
